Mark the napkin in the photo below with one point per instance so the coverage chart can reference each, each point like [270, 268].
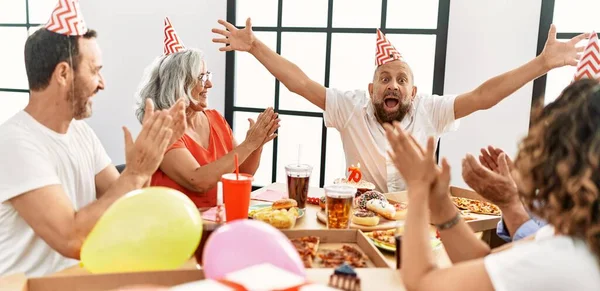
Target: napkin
[211, 214]
[269, 196]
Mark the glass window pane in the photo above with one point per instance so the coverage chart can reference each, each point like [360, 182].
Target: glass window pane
[304, 131]
[13, 11]
[356, 13]
[352, 61]
[254, 85]
[307, 50]
[423, 14]
[11, 103]
[556, 81]
[240, 127]
[40, 10]
[419, 52]
[12, 74]
[262, 12]
[306, 13]
[335, 164]
[577, 15]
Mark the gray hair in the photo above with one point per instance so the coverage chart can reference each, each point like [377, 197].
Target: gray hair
[168, 78]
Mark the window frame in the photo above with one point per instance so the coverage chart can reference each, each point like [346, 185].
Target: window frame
[441, 33]
[546, 19]
[27, 25]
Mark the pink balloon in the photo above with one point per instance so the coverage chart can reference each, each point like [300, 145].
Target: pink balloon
[244, 243]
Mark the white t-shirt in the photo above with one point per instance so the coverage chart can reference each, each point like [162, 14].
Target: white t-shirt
[33, 156]
[363, 137]
[548, 263]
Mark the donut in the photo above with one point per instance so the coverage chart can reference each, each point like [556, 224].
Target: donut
[361, 201]
[365, 217]
[382, 208]
[401, 210]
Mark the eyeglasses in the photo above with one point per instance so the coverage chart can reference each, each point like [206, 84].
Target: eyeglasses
[205, 78]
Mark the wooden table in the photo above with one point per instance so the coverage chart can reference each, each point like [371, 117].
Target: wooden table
[372, 278]
[310, 221]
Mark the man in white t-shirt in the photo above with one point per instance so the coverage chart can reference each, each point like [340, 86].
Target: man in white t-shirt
[392, 96]
[56, 179]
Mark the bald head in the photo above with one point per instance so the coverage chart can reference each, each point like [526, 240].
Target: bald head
[392, 91]
[395, 66]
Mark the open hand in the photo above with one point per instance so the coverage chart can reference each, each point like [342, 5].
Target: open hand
[489, 158]
[178, 116]
[263, 130]
[234, 38]
[417, 166]
[145, 154]
[557, 54]
[497, 186]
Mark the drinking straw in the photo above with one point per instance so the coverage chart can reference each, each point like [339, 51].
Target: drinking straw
[237, 167]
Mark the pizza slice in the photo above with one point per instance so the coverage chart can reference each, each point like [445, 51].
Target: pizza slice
[307, 247]
[345, 254]
[386, 237]
[476, 206]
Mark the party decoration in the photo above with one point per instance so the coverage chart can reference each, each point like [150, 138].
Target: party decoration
[151, 229]
[385, 52]
[589, 65]
[244, 243]
[355, 173]
[66, 19]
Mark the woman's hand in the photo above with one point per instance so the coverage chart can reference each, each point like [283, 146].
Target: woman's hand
[263, 130]
[417, 167]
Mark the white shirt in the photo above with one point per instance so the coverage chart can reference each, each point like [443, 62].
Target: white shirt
[363, 137]
[550, 262]
[33, 156]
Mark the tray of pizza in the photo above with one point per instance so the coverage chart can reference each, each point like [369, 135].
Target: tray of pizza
[329, 248]
[373, 211]
[479, 213]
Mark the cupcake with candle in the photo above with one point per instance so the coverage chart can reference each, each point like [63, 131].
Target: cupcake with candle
[355, 179]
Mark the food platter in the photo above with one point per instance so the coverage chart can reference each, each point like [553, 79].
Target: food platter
[267, 206]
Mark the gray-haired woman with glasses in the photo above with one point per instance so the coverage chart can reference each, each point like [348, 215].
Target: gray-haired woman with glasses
[196, 162]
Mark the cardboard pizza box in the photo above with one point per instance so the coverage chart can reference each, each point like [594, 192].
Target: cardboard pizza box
[481, 223]
[336, 238]
[371, 279]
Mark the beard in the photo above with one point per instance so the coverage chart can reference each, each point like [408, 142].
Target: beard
[79, 100]
[384, 116]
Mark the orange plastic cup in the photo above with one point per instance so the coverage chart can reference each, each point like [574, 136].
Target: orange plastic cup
[236, 195]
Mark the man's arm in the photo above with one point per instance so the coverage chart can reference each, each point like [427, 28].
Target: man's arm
[491, 92]
[285, 71]
[526, 229]
[105, 179]
[63, 228]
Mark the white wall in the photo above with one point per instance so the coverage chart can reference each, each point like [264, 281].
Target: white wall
[487, 38]
[482, 43]
[131, 36]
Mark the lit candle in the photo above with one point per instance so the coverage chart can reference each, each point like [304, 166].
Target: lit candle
[355, 174]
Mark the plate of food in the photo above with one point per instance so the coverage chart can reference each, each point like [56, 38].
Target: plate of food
[372, 211]
[476, 206]
[386, 240]
[281, 214]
